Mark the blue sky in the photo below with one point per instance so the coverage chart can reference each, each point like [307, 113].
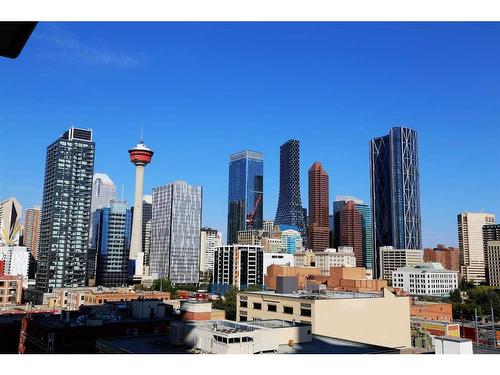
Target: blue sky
[205, 90]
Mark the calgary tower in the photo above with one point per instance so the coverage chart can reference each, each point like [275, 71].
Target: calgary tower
[140, 156]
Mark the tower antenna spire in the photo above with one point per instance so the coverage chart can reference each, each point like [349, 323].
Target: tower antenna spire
[142, 133]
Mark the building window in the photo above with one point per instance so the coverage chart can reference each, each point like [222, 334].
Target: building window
[287, 310]
[257, 306]
[243, 304]
[243, 318]
[305, 312]
[271, 308]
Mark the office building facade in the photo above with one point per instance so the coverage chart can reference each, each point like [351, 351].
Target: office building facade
[351, 231]
[392, 259]
[290, 210]
[67, 196]
[31, 236]
[245, 193]
[429, 279]
[175, 232]
[491, 232]
[493, 261]
[111, 239]
[447, 256]
[471, 244]
[366, 224]
[318, 232]
[395, 192]
[237, 266]
[210, 240]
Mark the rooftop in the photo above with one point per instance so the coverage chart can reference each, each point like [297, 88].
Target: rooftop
[314, 296]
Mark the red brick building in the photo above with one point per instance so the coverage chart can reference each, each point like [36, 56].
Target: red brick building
[351, 230]
[447, 256]
[318, 232]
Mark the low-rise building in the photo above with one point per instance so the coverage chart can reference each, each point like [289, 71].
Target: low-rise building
[452, 345]
[376, 318]
[391, 259]
[282, 259]
[447, 256]
[343, 257]
[425, 279]
[11, 290]
[303, 274]
[353, 279]
[431, 310]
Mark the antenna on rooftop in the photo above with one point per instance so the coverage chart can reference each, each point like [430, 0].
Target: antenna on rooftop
[123, 188]
[142, 133]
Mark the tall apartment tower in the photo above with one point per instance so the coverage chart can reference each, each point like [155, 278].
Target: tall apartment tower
[140, 156]
[210, 240]
[366, 223]
[395, 192]
[245, 193]
[471, 244]
[175, 232]
[351, 231]
[67, 196]
[318, 232]
[147, 214]
[290, 211]
[111, 239]
[10, 222]
[32, 230]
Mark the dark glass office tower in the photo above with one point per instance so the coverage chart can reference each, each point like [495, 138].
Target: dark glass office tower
[67, 194]
[395, 192]
[111, 239]
[245, 194]
[290, 210]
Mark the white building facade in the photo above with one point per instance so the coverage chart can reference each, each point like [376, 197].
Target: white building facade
[210, 240]
[343, 257]
[471, 244]
[17, 259]
[430, 279]
[280, 259]
[393, 259]
[175, 232]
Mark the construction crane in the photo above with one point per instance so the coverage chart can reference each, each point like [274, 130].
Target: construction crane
[251, 215]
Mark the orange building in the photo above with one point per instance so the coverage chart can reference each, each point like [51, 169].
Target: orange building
[302, 273]
[199, 310]
[431, 310]
[353, 279]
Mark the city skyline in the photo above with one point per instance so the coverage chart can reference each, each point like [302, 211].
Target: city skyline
[442, 198]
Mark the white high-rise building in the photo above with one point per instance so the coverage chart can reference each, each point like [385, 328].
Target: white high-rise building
[343, 257]
[430, 279]
[210, 240]
[10, 222]
[17, 259]
[175, 232]
[471, 244]
[392, 259]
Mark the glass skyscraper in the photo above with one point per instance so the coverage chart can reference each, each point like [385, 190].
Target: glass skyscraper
[111, 239]
[67, 195]
[290, 211]
[245, 193]
[175, 232]
[395, 191]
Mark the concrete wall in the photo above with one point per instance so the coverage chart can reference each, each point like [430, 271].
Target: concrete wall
[377, 321]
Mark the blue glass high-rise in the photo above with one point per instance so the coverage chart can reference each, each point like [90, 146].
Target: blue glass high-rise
[290, 211]
[245, 194]
[111, 239]
[395, 191]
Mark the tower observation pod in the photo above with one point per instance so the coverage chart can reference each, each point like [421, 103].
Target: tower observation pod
[140, 156]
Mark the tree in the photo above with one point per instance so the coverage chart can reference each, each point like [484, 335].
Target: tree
[254, 288]
[165, 285]
[227, 303]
